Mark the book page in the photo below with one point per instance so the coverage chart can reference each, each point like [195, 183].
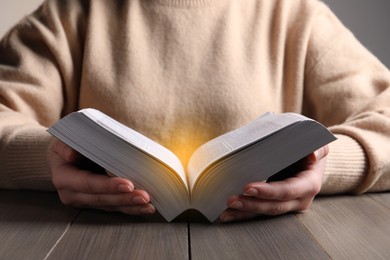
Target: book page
[230, 142]
[138, 140]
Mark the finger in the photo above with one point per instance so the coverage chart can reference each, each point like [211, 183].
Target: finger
[64, 151]
[306, 183]
[78, 199]
[281, 190]
[319, 154]
[67, 176]
[147, 209]
[268, 207]
[230, 215]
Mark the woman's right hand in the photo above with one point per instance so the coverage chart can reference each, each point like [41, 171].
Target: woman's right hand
[85, 189]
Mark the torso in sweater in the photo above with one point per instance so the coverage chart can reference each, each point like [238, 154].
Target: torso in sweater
[185, 74]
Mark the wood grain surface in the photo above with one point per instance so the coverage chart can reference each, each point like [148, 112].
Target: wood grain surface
[103, 235]
[350, 227]
[282, 237]
[35, 225]
[31, 223]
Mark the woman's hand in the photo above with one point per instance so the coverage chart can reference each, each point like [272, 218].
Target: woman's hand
[274, 198]
[86, 189]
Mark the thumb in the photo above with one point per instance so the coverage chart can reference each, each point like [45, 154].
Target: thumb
[64, 151]
[319, 154]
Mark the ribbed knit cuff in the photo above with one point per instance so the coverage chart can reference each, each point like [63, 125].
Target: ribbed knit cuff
[24, 160]
[346, 166]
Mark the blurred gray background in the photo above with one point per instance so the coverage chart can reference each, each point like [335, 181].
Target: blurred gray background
[367, 19]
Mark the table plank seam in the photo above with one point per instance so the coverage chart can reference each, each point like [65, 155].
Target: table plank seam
[62, 235]
[311, 234]
[189, 240]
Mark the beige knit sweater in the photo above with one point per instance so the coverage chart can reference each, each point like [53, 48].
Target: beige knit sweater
[185, 71]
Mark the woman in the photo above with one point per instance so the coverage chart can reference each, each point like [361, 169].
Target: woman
[182, 72]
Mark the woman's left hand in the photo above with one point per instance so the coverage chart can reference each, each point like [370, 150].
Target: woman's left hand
[275, 198]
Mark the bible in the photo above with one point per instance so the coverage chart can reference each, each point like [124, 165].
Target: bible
[216, 170]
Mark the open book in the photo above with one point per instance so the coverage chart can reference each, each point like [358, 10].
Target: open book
[216, 170]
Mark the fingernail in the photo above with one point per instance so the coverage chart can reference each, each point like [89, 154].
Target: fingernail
[236, 205]
[125, 188]
[251, 192]
[149, 209]
[227, 218]
[139, 200]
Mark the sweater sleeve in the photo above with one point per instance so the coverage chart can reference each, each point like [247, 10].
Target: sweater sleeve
[39, 64]
[348, 89]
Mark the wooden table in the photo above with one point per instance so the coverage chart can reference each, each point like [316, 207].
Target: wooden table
[35, 225]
